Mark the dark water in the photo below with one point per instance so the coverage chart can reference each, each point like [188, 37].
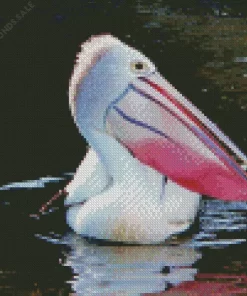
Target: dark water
[46, 258]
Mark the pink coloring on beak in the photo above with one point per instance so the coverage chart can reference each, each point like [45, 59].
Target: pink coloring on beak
[178, 141]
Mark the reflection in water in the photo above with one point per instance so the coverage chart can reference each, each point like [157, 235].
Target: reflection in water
[219, 216]
[126, 270]
[221, 224]
[40, 183]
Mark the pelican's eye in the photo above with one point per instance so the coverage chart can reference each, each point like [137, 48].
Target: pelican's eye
[139, 67]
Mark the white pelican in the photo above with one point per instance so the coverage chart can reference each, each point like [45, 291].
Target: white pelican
[140, 130]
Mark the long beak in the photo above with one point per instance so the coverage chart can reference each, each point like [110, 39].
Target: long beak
[164, 130]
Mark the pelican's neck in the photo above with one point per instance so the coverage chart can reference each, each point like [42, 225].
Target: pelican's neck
[116, 158]
[125, 170]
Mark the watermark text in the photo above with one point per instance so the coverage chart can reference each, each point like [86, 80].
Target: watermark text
[16, 19]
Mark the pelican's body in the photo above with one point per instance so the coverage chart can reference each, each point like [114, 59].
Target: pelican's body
[134, 145]
[134, 205]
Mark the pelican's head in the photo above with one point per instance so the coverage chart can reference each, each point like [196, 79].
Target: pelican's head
[104, 69]
[118, 90]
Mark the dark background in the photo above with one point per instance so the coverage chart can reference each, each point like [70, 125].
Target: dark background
[38, 136]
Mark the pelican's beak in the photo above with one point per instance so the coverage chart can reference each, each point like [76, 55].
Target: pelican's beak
[165, 131]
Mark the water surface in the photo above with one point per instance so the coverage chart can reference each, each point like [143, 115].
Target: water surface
[47, 258]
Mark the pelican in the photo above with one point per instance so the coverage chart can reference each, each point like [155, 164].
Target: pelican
[152, 152]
